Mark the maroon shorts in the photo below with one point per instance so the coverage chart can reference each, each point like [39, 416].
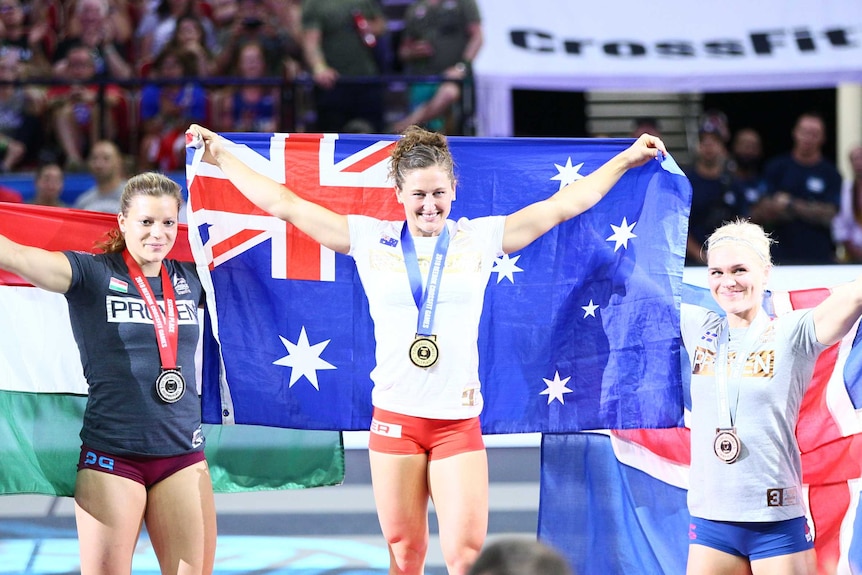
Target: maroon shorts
[399, 434]
[145, 470]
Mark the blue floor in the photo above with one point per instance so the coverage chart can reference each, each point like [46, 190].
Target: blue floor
[235, 555]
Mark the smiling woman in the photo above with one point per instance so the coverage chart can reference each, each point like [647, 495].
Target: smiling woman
[748, 376]
[141, 457]
[425, 278]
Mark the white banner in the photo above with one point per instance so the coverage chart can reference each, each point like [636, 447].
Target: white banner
[669, 46]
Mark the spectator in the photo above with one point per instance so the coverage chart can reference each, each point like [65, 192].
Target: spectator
[166, 110]
[847, 225]
[106, 167]
[226, 22]
[440, 38]
[77, 113]
[516, 556]
[715, 194]
[802, 195]
[713, 120]
[157, 26]
[189, 35]
[646, 125]
[249, 107]
[746, 163]
[339, 39]
[49, 182]
[274, 24]
[21, 108]
[122, 14]
[91, 25]
[21, 32]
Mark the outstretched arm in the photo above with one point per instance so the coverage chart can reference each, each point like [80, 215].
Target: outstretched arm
[48, 270]
[835, 315]
[530, 222]
[323, 225]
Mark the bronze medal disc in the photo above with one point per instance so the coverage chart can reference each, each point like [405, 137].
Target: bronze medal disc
[727, 445]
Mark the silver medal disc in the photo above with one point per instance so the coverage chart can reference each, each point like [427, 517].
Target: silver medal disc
[727, 445]
[170, 385]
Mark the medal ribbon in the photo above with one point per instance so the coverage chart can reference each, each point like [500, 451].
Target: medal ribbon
[165, 323]
[426, 301]
[726, 413]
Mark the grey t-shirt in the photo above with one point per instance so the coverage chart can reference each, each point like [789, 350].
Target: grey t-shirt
[96, 201]
[764, 484]
[120, 357]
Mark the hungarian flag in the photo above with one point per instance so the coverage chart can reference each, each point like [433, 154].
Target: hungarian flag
[625, 491]
[43, 392]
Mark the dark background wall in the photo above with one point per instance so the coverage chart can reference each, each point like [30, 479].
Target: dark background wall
[773, 114]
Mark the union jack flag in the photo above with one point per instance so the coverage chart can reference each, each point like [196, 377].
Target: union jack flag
[342, 178]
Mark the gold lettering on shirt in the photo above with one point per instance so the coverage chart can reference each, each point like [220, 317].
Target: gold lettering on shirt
[468, 397]
[758, 364]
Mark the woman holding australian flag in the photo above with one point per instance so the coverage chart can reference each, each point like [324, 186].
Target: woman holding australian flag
[425, 279]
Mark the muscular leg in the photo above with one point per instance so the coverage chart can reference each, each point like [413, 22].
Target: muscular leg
[459, 489]
[400, 484]
[181, 521]
[801, 563]
[108, 512]
[703, 560]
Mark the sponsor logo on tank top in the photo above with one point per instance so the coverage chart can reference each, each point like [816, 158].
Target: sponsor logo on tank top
[134, 310]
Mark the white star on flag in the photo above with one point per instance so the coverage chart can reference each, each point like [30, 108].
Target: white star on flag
[590, 309]
[568, 173]
[622, 234]
[556, 388]
[505, 267]
[304, 359]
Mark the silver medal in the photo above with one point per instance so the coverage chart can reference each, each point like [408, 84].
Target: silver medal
[170, 385]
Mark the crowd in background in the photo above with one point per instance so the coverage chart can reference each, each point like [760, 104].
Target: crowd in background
[80, 76]
[798, 196]
[138, 72]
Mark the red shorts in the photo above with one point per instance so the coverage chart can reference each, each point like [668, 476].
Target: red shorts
[145, 470]
[399, 434]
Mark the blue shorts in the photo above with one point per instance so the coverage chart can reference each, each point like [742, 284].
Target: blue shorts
[754, 540]
[145, 470]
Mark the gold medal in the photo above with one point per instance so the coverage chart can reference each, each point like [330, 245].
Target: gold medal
[727, 445]
[423, 351]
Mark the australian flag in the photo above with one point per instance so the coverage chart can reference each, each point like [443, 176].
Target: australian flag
[580, 330]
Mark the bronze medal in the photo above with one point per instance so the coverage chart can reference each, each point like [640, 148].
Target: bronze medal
[170, 385]
[424, 351]
[727, 445]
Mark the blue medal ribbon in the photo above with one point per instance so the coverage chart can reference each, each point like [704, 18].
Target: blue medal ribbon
[426, 301]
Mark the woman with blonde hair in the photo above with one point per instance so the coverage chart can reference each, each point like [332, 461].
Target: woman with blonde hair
[748, 376]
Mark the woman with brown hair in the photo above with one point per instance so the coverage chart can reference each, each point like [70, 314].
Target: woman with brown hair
[134, 315]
